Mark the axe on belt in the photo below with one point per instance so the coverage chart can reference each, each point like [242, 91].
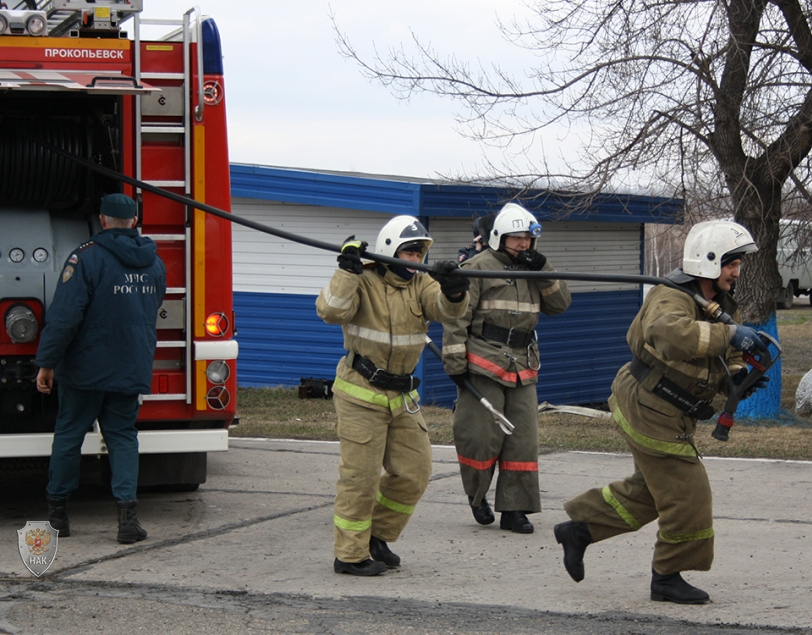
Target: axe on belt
[499, 418]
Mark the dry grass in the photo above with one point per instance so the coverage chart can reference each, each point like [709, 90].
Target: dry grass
[279, 413]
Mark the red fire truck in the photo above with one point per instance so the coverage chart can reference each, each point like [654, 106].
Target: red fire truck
[80, 89]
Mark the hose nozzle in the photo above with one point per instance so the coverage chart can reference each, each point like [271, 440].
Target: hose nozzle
[723, 425]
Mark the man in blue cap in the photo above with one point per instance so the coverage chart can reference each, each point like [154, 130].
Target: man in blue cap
[99, 344]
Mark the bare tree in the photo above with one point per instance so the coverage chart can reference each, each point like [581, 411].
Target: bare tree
[710, 99]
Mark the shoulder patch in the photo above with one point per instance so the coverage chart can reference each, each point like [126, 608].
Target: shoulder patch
[73, 259]
[67, 273]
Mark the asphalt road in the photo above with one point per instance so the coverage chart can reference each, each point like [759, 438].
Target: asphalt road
[251, 552]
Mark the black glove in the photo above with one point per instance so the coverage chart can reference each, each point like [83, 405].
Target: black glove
[459, 379]
[532, 259]
[746, 340]
[350, 258]
[761, 383]
[449, 285]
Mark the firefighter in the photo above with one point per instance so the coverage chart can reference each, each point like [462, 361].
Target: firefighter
[656, 400]
[494, 345]
[384, 313]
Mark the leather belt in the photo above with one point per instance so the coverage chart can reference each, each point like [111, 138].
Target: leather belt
[515, 338]
[668, 391]
[380, 378]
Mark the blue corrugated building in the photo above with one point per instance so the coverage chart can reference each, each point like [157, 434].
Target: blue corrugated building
[276, 282]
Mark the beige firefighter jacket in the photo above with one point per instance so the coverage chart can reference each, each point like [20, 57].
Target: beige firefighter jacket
[671, 335]
[385, 319]
[508, 303]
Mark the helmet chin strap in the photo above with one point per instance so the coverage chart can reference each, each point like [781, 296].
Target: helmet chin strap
[510, 253]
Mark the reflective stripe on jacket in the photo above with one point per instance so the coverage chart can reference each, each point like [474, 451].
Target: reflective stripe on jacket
[507, 303]
[671, 336]
[385, 319]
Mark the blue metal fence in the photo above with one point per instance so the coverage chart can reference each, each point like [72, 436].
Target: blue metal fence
[282, 340]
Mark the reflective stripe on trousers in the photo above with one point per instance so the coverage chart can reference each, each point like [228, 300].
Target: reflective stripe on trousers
[368, 503]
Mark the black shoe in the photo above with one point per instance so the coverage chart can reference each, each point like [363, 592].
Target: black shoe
[517, 522]
[380, 552]
[672, 588]
[129, 529]
[575, 538]
[58, 515]
[365, 567]
[482, 514]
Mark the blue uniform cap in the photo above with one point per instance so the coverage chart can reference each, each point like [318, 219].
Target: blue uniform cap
[118, 206]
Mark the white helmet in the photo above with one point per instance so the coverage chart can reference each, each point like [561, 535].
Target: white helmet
[513, 219]
[400, 232]
[711, 242]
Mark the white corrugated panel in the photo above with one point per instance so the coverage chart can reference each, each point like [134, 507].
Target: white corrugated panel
[576, 247]
[267, 264]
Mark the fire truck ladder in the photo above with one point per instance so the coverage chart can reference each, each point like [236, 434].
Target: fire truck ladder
[61, 22]
[177, 300]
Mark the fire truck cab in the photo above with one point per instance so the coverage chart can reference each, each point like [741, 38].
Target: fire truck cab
[83, 99]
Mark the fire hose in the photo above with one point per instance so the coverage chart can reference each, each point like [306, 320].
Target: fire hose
[759, 363]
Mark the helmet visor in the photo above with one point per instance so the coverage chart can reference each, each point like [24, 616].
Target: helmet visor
[416, 246]
[736, 254]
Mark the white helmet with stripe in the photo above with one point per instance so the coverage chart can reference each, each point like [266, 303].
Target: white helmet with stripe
[713, 244]
[513, 219]
[403, 233]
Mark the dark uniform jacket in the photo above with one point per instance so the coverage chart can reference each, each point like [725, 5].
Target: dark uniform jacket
[100, 327]
[467, 252]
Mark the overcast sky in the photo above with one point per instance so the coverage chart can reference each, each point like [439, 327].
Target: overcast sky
[293, 101]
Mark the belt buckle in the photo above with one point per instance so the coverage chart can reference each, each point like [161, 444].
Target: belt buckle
[510, 336]
[374, 377]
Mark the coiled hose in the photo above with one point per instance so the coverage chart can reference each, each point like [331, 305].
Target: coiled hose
[33, 175]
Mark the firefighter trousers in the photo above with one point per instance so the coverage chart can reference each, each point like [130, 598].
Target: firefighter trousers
[672, 489]
[481, 445]
[368, 503]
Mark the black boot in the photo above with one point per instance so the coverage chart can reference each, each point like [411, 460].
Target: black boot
[483, 514]
[129, 529]
[379, 551]
[516, 522]
[365, 567]
[58, 515]
[575, 538]
[672, 588]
